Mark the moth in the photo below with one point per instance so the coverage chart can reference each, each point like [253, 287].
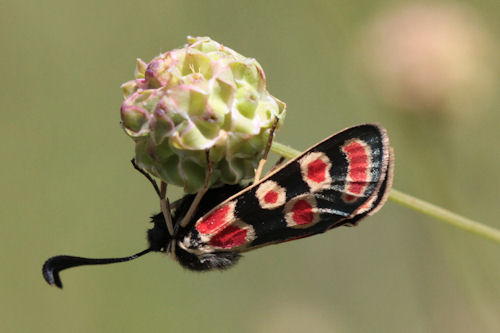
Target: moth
[337, 182]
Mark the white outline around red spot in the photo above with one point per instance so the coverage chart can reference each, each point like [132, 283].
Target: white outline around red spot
[264, 189]
[228, 218]
[305, 161]
[249, 237]
[288, 211]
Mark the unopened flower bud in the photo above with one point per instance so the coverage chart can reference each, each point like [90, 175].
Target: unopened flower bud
[201, 97]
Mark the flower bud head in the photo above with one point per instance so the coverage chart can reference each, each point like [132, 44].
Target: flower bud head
[201, 97]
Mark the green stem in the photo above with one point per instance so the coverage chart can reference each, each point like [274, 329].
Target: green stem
[418, 205]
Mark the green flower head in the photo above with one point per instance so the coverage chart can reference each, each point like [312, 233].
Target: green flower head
[204, 96]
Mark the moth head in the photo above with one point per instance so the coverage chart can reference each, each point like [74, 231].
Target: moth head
[158, 236]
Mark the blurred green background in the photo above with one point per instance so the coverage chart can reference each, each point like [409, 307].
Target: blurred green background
[429, 73]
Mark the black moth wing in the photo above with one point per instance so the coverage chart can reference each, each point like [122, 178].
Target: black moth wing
[336, 182]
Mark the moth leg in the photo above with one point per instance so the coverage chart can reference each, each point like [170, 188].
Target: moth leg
[278, 163]
[262, 162]
[164, 203]
[165, 208]
[187, 218]
[174, 205]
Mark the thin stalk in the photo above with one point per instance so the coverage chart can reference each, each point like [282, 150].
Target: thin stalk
[419, 205]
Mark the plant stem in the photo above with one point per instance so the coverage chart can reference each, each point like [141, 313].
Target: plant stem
[418, 204]
[445, 215]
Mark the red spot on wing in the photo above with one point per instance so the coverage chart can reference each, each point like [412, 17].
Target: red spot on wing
[359, 166]
[316, 171]
[229, 237]
[271, 197]
[302, 212]
[214, 220]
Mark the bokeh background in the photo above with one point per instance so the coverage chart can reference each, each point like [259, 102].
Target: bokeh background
[427, 71]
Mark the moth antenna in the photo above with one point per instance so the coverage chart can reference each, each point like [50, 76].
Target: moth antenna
[262, 162]
[54, 265]
[147, 175]
[185, 220]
